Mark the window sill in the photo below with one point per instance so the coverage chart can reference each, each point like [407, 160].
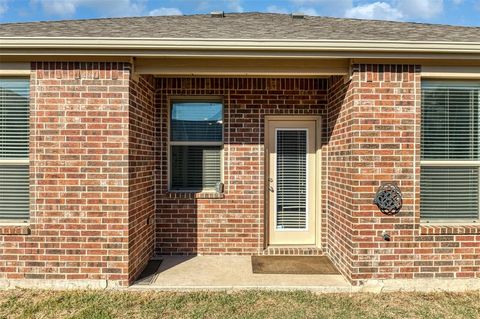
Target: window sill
[14, 229]
[195, 195]
[449, 229]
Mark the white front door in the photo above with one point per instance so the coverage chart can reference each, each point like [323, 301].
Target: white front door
[292, 182]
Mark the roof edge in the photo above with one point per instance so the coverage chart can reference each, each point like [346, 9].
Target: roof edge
[63, 43]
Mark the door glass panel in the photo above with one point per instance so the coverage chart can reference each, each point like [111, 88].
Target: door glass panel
[291, 171]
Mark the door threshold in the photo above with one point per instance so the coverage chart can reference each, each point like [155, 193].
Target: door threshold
[293, 250]
[292, 246]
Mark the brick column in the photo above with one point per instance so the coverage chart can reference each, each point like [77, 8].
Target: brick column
[339, 168]
[385, 144]
[141, 174]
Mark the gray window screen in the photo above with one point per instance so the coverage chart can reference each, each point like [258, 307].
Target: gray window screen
[14, 149]
[450, 150]
[196, 141]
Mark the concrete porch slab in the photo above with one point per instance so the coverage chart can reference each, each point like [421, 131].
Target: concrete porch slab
[186, 273]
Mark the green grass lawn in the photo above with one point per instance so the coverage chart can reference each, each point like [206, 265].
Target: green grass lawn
[249, 304]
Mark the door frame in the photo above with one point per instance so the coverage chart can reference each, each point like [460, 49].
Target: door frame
[318, 178]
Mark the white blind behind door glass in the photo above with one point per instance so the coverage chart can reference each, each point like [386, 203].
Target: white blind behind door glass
[291, 179]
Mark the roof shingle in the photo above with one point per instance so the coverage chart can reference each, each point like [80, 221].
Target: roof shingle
[244, 26]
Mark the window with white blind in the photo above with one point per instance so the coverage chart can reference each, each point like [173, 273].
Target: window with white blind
[14, 149]
[196, 142]
[450, 151]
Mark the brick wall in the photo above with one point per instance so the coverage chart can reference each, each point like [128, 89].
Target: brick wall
[99, 196]
[385, 147]
[383, 150]
[141, 178]
[79, 177]
[233, 224]
[339, 173]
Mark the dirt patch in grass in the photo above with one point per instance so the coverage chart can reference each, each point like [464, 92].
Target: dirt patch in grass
[249, 304]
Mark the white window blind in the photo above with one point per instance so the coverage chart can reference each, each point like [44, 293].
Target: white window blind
[450, 151]
[14, 149]
[196, 141]
[450, 123]
[449, 192]
[291, 171]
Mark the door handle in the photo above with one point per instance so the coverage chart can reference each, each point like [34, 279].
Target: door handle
[270, 188]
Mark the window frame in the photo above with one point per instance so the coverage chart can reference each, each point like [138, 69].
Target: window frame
[449, 83]
[20, 161]
[193, 99]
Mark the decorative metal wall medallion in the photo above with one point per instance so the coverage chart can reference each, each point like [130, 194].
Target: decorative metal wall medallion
[389, 199]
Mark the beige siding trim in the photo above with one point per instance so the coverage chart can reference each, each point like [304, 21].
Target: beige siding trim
[450, 163]
[423, 62]
[69, 54]
[451, 72]
[14, 69]
[152, 43]
[61, 58]
[241, 67]
[9, 223]
[21, 161]
[241, 47]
